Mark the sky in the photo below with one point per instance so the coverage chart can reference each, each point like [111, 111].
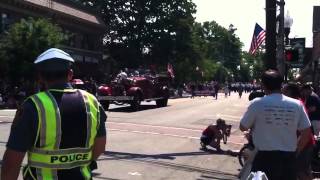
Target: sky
[243, 14]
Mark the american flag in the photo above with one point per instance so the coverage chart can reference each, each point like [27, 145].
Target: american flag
[259, 35]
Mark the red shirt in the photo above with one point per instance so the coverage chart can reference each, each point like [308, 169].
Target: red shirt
[312, 141]
[208, 132]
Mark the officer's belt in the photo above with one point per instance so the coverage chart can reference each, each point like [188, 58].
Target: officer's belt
[60, 159]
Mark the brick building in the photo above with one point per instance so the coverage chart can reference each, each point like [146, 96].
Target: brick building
[316, 44]
[85, 44]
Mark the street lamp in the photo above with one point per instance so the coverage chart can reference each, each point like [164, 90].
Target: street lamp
[3, 22]
[251, 70]
[197, 74]
[288, 21]
[239, 67]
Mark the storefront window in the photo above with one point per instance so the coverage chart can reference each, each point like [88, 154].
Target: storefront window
[78, 40]
[85, 41]
[72, 40]
[4, 23]
[91, 43]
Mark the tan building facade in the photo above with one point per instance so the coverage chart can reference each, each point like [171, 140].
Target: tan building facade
[85, 27]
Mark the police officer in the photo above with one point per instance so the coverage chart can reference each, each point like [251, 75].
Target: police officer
[61, 129]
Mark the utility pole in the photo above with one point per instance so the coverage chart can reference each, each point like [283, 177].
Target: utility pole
[280, 40]
[271, 9]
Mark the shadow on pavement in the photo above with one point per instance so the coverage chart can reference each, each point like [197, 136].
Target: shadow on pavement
[128, 109]
[112, 155]
[97, 176]
[222, 152]
[156, 161]
[205, 177]
[5, 122]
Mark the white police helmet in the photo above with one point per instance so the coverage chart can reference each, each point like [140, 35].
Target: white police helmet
[53, 60]
[53, 53]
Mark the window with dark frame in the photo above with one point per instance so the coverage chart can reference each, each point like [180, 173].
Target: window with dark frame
[4, 23]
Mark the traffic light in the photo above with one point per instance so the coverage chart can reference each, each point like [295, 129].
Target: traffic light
[292, 55]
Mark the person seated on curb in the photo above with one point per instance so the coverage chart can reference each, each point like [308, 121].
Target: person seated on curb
[213, 134]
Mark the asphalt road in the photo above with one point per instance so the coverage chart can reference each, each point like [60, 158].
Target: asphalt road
[163, 143]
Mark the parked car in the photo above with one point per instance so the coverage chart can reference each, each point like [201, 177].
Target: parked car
[133, 90]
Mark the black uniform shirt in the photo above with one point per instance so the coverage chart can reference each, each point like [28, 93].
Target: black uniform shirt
[24, 127]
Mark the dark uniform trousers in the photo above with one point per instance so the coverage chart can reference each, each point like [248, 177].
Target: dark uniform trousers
[277, 165]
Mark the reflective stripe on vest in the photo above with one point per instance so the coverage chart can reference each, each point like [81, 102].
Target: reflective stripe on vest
[92, 109]
[48, 157]
[60, 159]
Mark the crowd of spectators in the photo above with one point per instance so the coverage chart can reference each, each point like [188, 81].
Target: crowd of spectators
[12, 95]
[289, 110]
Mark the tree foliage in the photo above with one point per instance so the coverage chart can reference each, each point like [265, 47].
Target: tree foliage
[251, 66]
[219, 50]
[144, 32]
[23, 42]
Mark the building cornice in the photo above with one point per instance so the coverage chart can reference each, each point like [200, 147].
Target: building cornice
[70, 10]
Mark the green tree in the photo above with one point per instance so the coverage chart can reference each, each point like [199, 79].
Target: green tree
[23, 42]
[218, 48]
[147, 31]
[251, 66]
[223, 45]
[144, 32]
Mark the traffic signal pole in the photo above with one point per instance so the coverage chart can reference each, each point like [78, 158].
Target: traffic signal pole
[280, 41]
[271, 9]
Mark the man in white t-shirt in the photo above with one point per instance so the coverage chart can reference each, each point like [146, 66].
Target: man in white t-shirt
[274, 121]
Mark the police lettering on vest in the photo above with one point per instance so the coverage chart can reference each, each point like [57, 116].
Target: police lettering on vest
[69, 158]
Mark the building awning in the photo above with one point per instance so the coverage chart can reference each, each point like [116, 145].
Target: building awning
[68, 10]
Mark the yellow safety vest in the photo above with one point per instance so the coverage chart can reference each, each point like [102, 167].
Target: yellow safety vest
[48, 158]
